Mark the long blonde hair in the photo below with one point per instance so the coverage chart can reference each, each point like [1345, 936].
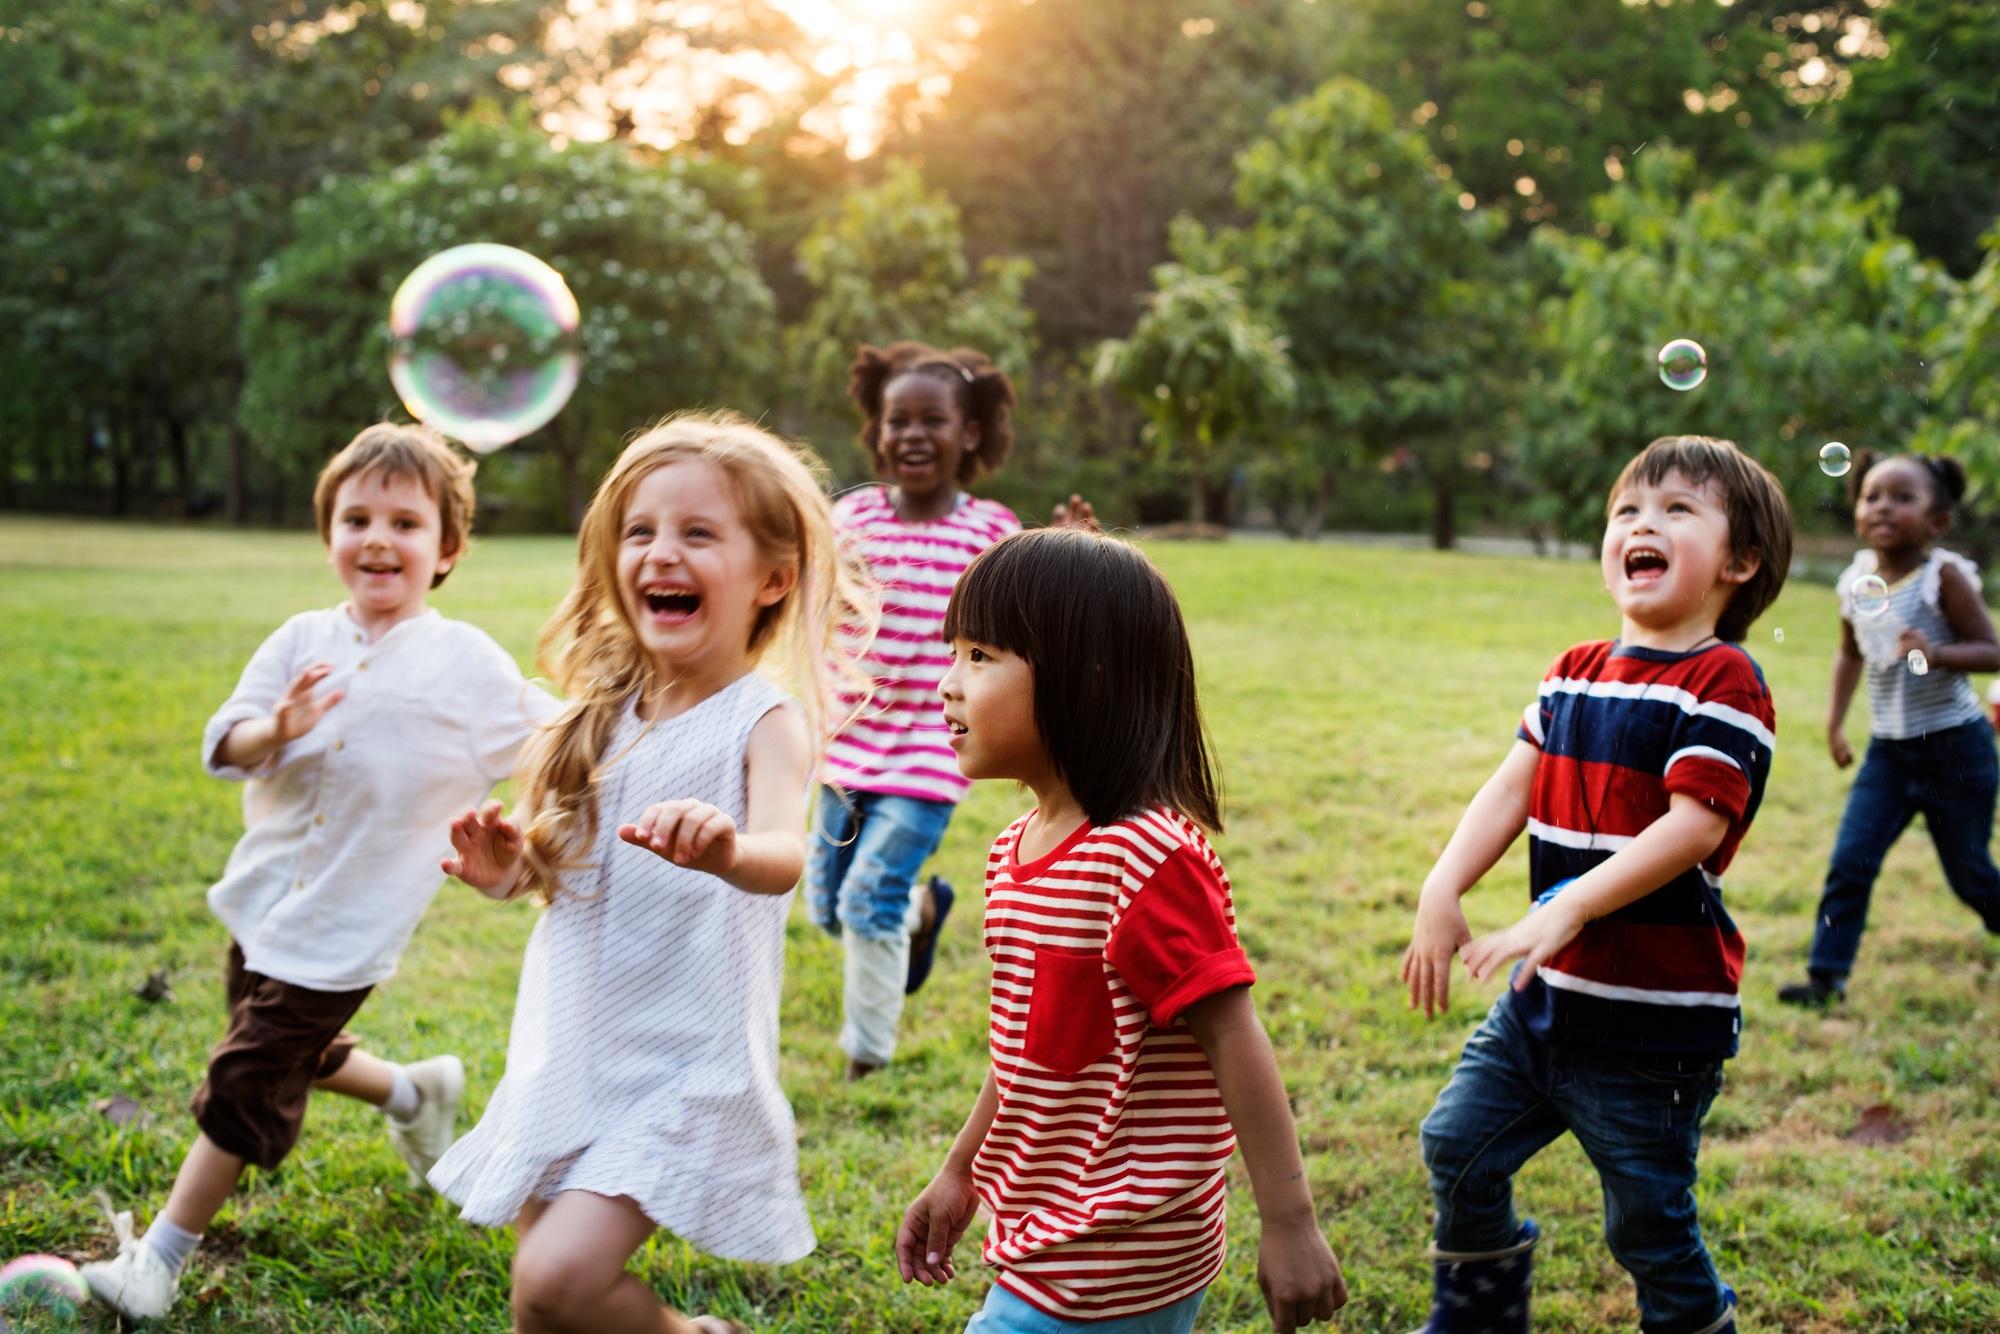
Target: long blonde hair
[810, 640]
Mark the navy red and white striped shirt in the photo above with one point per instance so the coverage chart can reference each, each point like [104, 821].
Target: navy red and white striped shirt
[899, 744]
[1621, 730]
[1104, 1168]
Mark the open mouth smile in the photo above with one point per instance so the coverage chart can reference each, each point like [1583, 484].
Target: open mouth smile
[1645, 565]
[672, 605]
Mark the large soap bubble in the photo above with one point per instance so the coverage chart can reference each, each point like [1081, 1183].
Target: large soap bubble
[1835, 459]
[41, 1283]
[1683, 364]
[483, 344]
[1869, 596]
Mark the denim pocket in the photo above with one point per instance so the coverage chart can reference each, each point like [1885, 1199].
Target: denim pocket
[1069, 1011]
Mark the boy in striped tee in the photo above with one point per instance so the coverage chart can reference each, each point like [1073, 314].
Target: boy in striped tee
[1635, 773]
[1127, 1059]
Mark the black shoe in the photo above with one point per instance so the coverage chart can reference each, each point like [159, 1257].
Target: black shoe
[1817, 992]
[923, 944]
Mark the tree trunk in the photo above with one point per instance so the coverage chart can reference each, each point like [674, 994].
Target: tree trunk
[237, 501]
[1444, 508]
[1322, 501]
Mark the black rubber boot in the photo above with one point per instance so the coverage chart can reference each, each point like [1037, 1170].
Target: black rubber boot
[1484, 1292]
[1819, 990]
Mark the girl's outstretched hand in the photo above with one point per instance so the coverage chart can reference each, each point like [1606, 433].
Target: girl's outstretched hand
[1300, 1278]
[932, 1225]
[489, 848]
[687, 833]
[1534, 940]
[1076, 512]
[1441, 932]
[298, 712]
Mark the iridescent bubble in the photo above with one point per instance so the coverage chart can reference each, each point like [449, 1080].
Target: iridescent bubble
[41, 1283]
[1919, 664]
[482, 344]
[1834, 460]
[1683, 364]
[1779, 634]
[1869, 596]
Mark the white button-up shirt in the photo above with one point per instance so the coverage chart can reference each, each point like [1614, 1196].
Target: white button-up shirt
[345, 825]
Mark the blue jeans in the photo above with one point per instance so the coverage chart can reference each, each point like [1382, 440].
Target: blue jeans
[866, 856]
[1004, 1313]
[1638, 1120]
[1950, 777]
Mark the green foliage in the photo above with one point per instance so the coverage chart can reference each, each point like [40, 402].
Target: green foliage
[675, 314]
[1964, 353]
[1925, 119]
[1553, 93]
[1199, 366]
[890, 263]
[1813, 313]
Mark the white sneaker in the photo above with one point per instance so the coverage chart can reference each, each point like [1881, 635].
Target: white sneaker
[138, 1284]
[422, 1140]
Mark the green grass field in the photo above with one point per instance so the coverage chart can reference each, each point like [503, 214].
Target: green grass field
[1358, 698]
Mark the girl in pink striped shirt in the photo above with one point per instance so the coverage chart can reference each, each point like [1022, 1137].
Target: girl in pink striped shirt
[933, 421]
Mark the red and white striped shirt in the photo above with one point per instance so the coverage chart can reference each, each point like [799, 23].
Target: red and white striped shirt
[899, 744]
[1104, 1168]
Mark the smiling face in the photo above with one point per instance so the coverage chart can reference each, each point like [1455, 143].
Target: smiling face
[1897, 509]
[989, 705]
[385, 542]
[925, 434]
[691, 575]
[1667, 561]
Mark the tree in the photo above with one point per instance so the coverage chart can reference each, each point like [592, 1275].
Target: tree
[1358, 252]
[1200, 367]
[1081, 128]
[675, 314]
[1925, 119]
[1964, 415]
[1812, 311]
[888, 264]
[149, 171]
[1531, 104]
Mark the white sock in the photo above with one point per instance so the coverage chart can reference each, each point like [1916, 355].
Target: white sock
[171, 1242]
[404, 1100]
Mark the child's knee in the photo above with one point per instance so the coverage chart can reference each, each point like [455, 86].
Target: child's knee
[554, 1283]
[875, 902]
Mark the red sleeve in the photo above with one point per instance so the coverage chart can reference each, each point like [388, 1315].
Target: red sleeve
[1174, 945]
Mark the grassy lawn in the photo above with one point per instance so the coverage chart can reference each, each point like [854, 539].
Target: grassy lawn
[1358, 699]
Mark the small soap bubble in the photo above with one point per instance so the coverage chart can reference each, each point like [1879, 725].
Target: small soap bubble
[1779, 634]
[42, 1284]
[1919, 664]
[1683, 364]
[1834, 459]
[1869, 596]
[483, 344]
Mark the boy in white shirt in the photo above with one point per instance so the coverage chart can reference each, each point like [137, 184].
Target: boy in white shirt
[362, 730]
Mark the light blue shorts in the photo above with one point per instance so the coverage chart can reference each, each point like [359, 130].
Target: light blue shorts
[1004, 1313]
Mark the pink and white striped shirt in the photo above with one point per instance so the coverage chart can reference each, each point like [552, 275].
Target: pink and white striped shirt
[899, 744]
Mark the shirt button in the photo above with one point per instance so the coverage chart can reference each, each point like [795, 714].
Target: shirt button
[298, 884]
[319, 819]
[340, 745]
[362, 668]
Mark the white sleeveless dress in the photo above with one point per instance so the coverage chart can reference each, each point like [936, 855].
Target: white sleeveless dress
[644, 1054]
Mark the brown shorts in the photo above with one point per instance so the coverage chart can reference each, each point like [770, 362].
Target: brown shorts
[281, 1038]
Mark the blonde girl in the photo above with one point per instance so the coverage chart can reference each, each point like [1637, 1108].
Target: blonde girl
[663, 823]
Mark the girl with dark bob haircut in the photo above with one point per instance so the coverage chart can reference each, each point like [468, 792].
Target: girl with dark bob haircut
[1114, 672]
[1121, 996]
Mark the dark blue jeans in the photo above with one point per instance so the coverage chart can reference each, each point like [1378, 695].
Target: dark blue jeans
[1950, 778]
[1638, 1120]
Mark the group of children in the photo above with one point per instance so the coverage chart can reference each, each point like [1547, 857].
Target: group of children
[731, 636]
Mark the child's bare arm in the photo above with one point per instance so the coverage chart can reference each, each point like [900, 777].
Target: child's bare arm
[254, 740]
[768, 853]
[939, 1216]
[1672, 845]
[1847, 664]
[1495, 818]
[1295, 1267]
[1977, 649]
